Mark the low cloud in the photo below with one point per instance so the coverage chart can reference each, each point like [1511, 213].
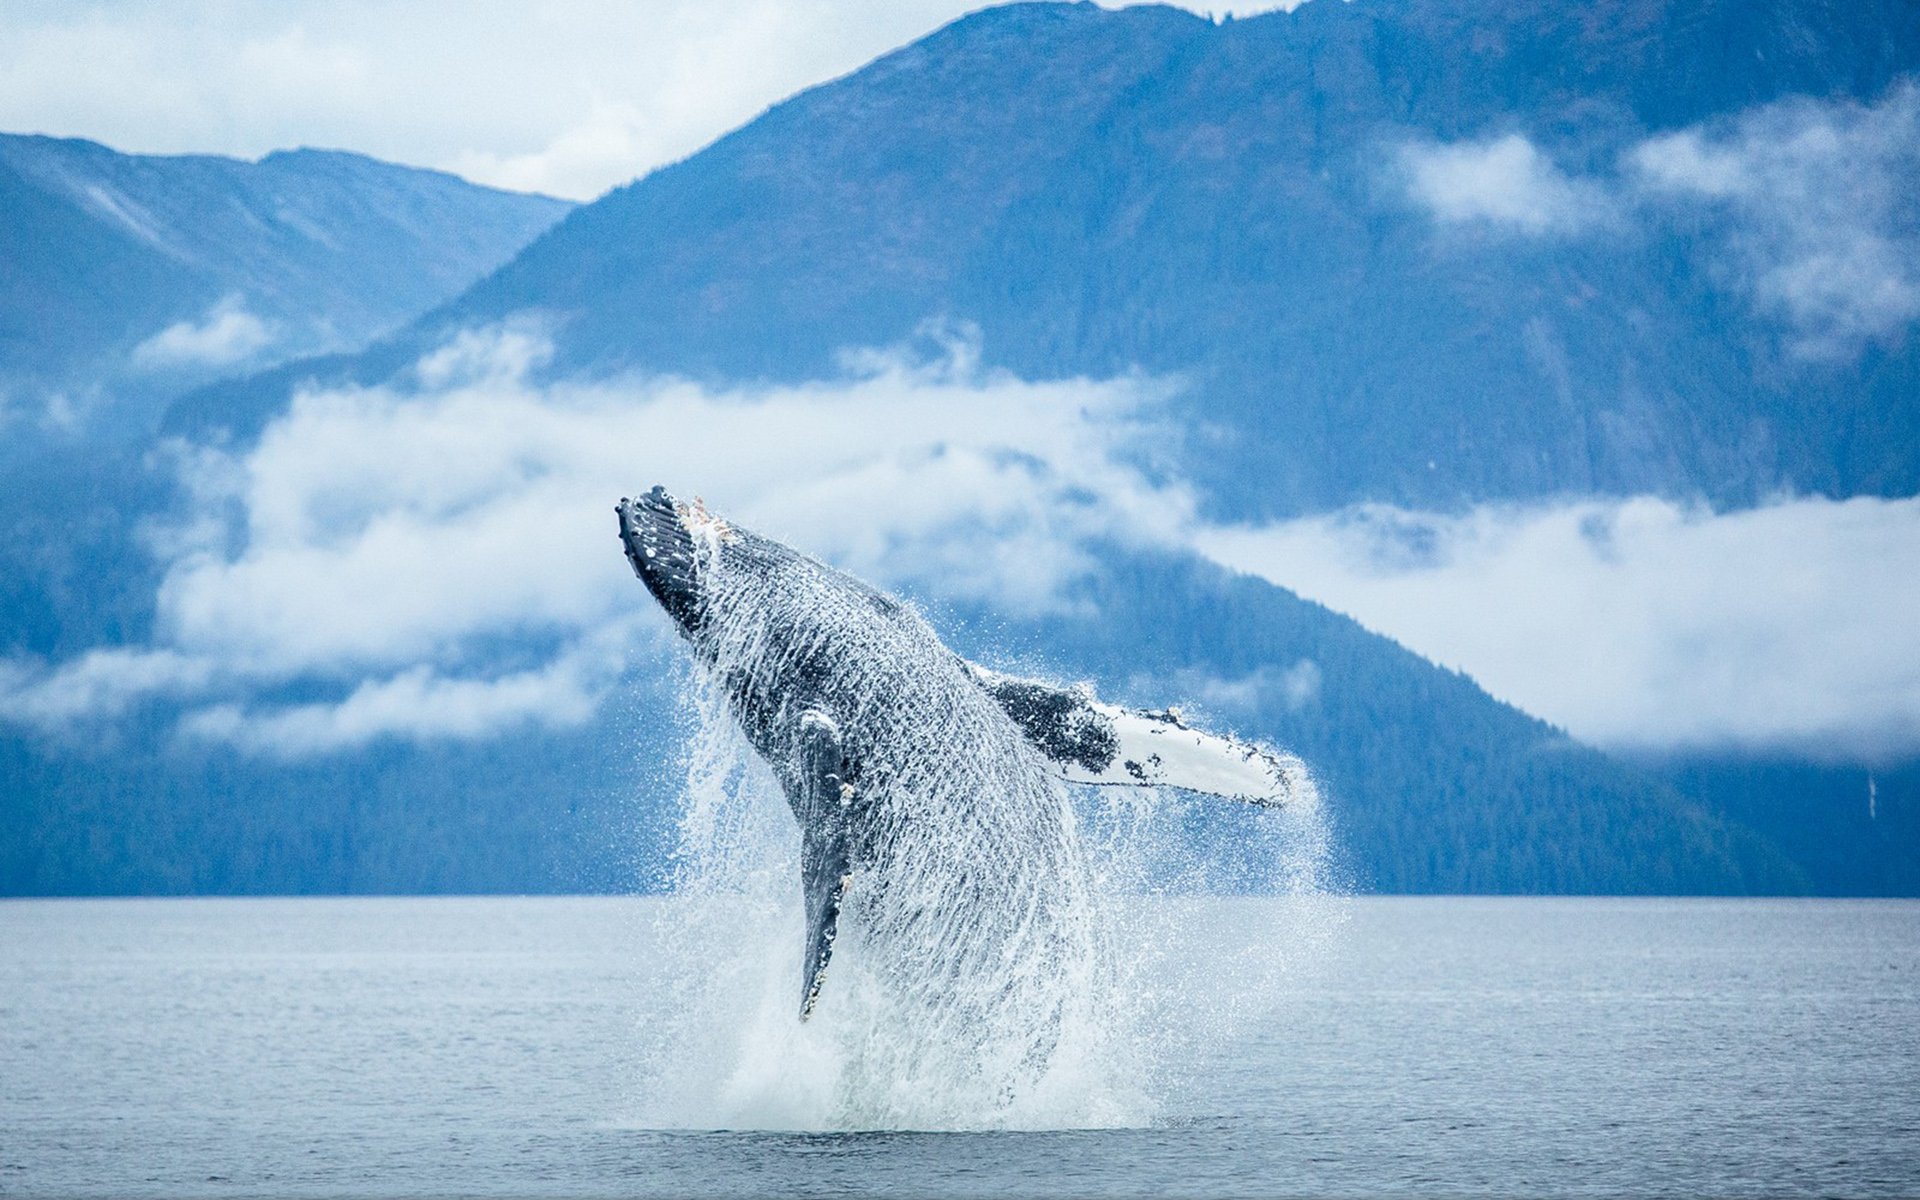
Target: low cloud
[417, 703]
[1824, 203]
[1641, 624]
[376, 541]
[435, 558]
[1808, 207]
[226, 335]
[100, 683]
[1505, 183]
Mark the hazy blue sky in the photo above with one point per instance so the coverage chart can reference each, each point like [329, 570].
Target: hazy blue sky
[569, 97]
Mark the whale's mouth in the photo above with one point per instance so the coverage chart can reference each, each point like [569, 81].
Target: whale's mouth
[658, 534]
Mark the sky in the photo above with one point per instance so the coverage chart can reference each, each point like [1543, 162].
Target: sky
[566, 97]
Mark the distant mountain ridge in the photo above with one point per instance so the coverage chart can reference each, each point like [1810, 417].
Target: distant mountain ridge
[130, 277]
[1100, 191]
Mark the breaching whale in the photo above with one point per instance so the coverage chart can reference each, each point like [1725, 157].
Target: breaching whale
[867, 719]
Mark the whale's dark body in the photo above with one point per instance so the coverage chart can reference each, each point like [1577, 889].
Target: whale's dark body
[866, 717]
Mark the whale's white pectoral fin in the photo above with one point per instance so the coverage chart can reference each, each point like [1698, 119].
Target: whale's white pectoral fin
[1159, 749]
[821, 799]
[1087, 741]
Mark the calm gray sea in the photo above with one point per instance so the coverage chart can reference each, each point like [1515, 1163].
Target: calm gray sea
[428, 1047]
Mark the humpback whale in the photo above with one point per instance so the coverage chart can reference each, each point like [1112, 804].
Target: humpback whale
[873, 727]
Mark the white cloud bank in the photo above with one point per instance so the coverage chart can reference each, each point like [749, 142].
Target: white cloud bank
[387, 536]
[1505, 182]
[1825, 197]
[377, 547]
[1820, 203]
[1640, 624]
[416, 703]
[227, 334]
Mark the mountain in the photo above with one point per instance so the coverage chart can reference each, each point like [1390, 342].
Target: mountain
[129, 278]
[1235, 205]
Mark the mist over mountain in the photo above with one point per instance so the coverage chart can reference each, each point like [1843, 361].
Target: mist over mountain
[999, 321]
[130, 278]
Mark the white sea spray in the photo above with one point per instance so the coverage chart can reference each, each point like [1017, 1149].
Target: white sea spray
[1002, 960]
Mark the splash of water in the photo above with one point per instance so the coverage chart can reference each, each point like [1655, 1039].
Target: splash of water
[1001, 961]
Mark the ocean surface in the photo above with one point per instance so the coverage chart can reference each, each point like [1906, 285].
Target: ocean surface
[1342, 1047]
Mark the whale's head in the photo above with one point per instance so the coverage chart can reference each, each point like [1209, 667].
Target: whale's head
[731, 592]
[784, 631]
[658, 533]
